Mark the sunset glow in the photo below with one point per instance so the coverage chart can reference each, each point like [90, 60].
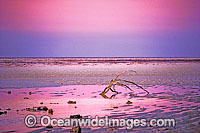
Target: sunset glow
[98, 15]
[150, 28]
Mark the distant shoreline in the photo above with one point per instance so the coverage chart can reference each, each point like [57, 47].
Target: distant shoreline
[79, 60]
[1, 57]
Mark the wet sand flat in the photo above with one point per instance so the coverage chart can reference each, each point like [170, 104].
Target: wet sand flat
[47, 72]
[173, 84]
[181, 104]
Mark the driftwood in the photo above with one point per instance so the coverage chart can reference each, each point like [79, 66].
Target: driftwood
[117, 81]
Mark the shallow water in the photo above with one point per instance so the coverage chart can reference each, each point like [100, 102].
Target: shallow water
[180, 103]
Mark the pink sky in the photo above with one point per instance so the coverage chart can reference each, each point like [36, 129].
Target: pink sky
[98, 16]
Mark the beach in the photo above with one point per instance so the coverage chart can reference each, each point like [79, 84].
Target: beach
[173, 85]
